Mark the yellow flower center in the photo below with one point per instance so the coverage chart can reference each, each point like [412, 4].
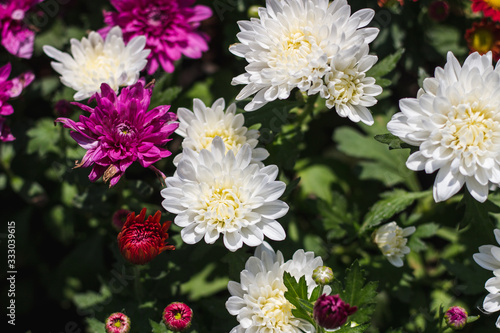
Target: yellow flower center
[472, 127]
[495, 4]
[232, 140]
[482, 40]
[178, 315]
[221, 207]
[291, 52]
[117, 324]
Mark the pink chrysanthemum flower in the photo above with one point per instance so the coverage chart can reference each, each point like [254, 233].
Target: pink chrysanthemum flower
[177, 316]
[490, 8]
[119, 218]
[9, 89]
[170, 27]
[120, 131]
[117, 323]
[17, 37]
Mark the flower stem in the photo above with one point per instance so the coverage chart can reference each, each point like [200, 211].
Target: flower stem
[137, 284]
[307, 110]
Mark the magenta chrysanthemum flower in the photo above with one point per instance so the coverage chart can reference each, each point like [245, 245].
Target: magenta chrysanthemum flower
[120, 131]
[9, 89]
[177, 316]
[117, 323]
[119, 218]
[170, 27]
[17, 37]
[330, 311]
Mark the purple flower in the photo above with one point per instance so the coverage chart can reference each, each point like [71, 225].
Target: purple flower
[169, 26]
[331, 311]
[120, 131]
[9, 89]
[17, 37]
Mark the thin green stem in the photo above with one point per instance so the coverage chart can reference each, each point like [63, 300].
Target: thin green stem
[137, 284]
[307, 110]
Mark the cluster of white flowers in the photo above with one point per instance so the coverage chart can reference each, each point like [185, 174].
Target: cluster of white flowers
[259, 302]
[391, 240]
[455, 122]
[95, 61]
[311, 45]
[489, 258]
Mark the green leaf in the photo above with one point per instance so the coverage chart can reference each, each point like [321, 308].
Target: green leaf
[392, 141]
[316, 179]
[91, 298]
[357, 293]
[44, 138]
[95, 326]
[158, 327]
[295, 290]
[391, 204]
[386, 65]
[445, 38]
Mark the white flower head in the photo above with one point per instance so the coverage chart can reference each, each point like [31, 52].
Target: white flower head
[489, 258]
[348, 89]
[292, 44]
[200, 126]
[455, 122]
[94, 61]
[259, 302]
[218, 192]
[391, 240]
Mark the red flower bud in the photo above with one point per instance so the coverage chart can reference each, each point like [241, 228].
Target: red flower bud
[331, 311]
[117, 323]
[140, 241]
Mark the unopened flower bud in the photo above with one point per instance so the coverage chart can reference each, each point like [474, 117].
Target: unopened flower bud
[177, 316]
[456, 317]
[323, 275]
[331, 311]
[253, 11]
[117, 323]
[140, 240]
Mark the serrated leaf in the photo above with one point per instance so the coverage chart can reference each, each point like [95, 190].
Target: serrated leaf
[426, 230]
[385, 65]
[295, 290]
[392, 141]
[393, 203]
[357, 293]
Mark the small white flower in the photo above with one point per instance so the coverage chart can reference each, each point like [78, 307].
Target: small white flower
[348, 89]
[489, 258]
[455, 121]
[218, 192]
[259, 302]
[292, 44]
[94, 61]
[200, 127]
[391, 240]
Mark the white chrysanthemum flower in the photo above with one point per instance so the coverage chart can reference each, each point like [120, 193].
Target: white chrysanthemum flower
[489, 255]
[94, 61]
[218, 192]
[259, 302]
[455, 121]
[391, 240]
[292, 43]
[200, 127]
[348, 89]
[489, 258]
